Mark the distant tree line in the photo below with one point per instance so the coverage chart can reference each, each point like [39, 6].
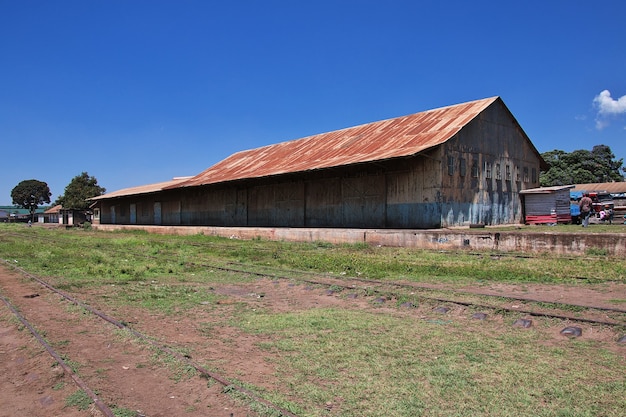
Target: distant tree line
[31, 194]
[582, 167]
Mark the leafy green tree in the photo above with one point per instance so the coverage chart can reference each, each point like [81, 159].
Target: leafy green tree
[78, 191]
[30, 194]
[581, 167]
[607, 167]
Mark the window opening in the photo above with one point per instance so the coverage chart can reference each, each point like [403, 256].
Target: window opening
[475, 168]
[450, 165]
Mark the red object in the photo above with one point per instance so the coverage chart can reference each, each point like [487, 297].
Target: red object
[548, 218]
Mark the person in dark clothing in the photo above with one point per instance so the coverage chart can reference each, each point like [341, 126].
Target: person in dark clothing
[586, 206]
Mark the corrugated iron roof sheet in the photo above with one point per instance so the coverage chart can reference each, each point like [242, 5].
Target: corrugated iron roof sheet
[546, 190]
[610, 187]
[392, 138]
[143, 189]
[54, 210]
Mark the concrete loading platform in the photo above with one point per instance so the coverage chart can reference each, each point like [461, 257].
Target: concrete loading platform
[496, 239]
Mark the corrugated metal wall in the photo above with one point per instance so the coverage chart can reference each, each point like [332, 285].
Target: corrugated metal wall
[358, 197]
[324, 203]
[557, 202]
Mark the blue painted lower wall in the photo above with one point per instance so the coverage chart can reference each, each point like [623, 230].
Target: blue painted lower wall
[418, 216]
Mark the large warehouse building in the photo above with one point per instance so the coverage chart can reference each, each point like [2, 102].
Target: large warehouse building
[451, 166]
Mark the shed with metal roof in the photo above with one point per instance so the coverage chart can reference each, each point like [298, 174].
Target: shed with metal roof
[451, 166]
[547, 205]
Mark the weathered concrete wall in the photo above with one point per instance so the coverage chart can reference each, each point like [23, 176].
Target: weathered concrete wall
[471, 239]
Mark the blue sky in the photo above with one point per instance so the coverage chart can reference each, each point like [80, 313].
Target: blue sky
[137, 92]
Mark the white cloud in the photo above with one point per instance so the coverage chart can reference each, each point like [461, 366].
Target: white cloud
[601, 123]
[607, 107]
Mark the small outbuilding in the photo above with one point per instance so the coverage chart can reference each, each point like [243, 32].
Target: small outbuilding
[51, 215]
[547, 205]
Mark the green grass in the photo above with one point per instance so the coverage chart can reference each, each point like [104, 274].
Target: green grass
[345, 361]
[412, 367]
[79, 399]
[121, 258]
[123, 412]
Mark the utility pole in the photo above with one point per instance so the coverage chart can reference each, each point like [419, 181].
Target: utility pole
[32, 208]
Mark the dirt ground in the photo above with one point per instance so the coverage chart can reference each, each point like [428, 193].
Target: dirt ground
[125, 374]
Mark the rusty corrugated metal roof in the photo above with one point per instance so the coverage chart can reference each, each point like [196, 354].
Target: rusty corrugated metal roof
[610, 187]
[54, 210]
[546, 190]
[392, 138]
[143, 189]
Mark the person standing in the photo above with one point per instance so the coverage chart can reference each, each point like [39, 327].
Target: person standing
[585, 205]
[608, 213]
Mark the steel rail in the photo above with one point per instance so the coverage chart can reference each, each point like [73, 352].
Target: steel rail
[203, 371]
[106, 411]
[449, 301]
[418, 287]
[482, 294]
[451, 252]
[424, 288]
[414, 286]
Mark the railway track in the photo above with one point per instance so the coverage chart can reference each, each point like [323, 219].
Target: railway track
[396, 290]
[228, 386]
[391, 290]
[216, 247]
[99, 404]
[399, 290]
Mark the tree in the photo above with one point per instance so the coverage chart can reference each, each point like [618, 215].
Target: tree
[30, 194]
[581, 167]
[607, 168]
[78, 191]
